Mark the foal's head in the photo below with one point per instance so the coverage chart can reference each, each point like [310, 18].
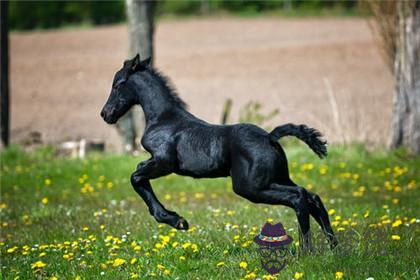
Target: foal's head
[123, 95]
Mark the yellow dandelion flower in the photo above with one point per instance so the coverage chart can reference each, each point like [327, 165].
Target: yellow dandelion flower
[134, 275]
[133, 261]
[47, 182]
[194, 247]
[44, 200]
[243, 265]
[331, 212]
[397, 223]
[366, 214]
[182, 258]
[250, 275]
[53, 278]
[160, 266]
[186, 245]
[298, 275]
[118, 262]
[387, 221]
[307, 166]
[174, 244]
[158, 245]
[12, 250]
[220, 264]
[38, 264]
[323, 170]
[166, 272]
[339, 275]
[165, 238]
[397, 189]
[395, 237]
[246, 244]
[42, 254]
[199, 195]
[268, 277]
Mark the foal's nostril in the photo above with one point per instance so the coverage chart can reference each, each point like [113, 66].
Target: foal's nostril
[102, 114]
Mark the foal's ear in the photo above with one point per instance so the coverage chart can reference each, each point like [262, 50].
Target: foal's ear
[147, 62]
[135, 63]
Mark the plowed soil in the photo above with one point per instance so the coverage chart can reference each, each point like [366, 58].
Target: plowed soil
[60, 79]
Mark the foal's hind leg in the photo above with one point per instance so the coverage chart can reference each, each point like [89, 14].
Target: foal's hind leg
[252, 181]
[151, 169]
[294, 197]
[318, 211]
[320, 214]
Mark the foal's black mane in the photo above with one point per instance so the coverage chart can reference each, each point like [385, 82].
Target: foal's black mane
[167, 84]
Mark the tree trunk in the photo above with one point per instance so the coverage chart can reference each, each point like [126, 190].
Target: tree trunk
[406, 110]
[4, 61]
[140, 15]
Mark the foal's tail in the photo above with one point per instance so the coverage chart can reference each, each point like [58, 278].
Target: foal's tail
[310, 136]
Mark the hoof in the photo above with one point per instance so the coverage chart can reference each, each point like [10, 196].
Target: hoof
[333, 244]
[182, 224]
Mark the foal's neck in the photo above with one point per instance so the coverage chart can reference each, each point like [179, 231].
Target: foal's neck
[155, 97]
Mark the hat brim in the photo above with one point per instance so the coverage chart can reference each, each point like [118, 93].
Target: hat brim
[275, 243]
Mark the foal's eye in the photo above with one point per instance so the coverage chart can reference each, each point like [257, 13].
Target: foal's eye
[118, 85]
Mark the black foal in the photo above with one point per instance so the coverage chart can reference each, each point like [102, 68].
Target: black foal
[183, 144]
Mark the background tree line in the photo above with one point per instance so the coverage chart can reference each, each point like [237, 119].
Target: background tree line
[26, 15]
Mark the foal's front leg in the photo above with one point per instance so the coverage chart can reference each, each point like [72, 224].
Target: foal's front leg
[151, 169]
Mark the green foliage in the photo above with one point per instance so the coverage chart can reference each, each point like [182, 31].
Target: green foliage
[180, 7]
[49, 14]
[26, 15]
[251, 113]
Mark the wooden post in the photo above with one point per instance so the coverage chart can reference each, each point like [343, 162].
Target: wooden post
[226, 111]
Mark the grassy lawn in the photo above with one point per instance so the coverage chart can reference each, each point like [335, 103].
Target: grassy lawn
[81, 219]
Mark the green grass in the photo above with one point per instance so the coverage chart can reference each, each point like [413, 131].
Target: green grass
[81, 218]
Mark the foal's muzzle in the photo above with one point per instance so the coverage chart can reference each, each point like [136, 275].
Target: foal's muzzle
[107, 115]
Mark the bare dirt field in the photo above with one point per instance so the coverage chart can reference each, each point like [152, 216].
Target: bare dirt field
[60, 79]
